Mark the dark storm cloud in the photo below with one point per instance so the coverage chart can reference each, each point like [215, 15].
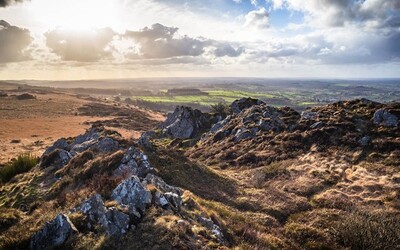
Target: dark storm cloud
[14, 42]
[81, 47]
[5, 3]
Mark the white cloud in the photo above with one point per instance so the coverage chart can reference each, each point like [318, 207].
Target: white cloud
[258, 19]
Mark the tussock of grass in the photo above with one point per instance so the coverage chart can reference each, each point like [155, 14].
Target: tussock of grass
[23, 163]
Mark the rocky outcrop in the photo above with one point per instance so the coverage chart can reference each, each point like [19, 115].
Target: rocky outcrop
[54, 233]
[60, 153]
[185, 123]
[57, 159]
[250, 121]
[385, 118]
[134, 162]
[134, 195]
[262, 134]
[112, 221]
[244, 103]
[25, 96]
[145, 139]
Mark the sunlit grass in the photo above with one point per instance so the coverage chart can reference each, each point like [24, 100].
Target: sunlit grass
[23, 163]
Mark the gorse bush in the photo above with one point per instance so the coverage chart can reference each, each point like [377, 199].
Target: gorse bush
[220, 108]
[23, 163]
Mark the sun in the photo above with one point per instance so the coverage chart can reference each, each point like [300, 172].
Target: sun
[77, 14]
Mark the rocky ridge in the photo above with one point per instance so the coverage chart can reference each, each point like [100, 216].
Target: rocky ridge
[137, 189]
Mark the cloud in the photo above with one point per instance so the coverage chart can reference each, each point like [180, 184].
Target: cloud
[87, 46]
[160, 41]
[336, 13]
[14, 43]
[5, 3]
[258, 19]
[226, 49]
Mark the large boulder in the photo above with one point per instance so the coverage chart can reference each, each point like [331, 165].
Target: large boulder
[133, 194]
[59, 144]
[385, 118]
[53, 234]
[244, 103]
[185, 123]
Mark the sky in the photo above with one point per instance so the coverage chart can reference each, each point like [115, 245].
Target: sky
[108, 39]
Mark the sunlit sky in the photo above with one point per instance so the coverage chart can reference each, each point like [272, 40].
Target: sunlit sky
[97, 39]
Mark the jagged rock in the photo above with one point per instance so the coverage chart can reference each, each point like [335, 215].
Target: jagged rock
[78, 148]
[95, 211]
[308, 115]
[317, 125]
[210, 225]
[106, 145]
[131, 193]
[57, 159]
[385, 118]
[92, 134]
[3, 94]
[271, 124]
[145, 138]
[219, 125]
[244, 103]
[118, 222]
[59, 144]
[54, 233]
[242, 134]
[365, 141]
[174, 199]
[161, 185]
[185, 123]
[111, 220]
[134, 162]
[160, 200]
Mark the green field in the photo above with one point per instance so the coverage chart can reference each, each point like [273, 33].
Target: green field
[212, 97]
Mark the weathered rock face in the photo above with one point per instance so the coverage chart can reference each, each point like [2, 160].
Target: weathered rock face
[210, 225]
[244, 103]
[59, 144]
[134, 162]
[131, 193]
[247, 123]
[168, 196]
[57, 159]
[185, 123]
[145, 138]
[385, 118]
[54, 234]
[62, 151]
[112, 221]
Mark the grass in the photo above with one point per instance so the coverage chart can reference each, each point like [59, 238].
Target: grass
[23, 163]
[213, 97]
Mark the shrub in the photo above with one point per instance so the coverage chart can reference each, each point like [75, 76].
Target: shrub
[365, 230]
[220, 108]
[23, 163]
